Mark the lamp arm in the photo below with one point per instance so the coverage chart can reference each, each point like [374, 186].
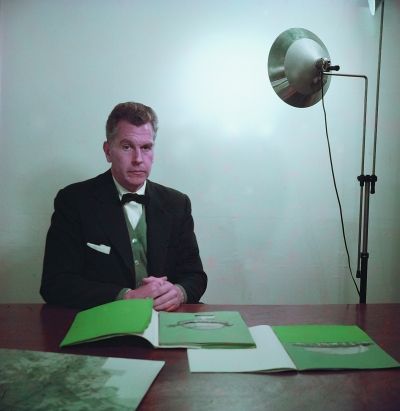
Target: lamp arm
[365, 190]
[365, 110]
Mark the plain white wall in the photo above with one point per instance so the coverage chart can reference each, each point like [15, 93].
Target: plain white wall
[257, 170]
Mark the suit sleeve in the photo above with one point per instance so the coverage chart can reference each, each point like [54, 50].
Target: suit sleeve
[189, 271]
[64, 280]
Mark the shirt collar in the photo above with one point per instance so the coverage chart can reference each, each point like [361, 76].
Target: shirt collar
[122, 190]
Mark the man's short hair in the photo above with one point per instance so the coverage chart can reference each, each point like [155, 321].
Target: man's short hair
[136, 114]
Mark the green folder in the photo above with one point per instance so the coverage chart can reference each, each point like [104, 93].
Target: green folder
[117, 318]
[332, 347]
[163, 330]
[297, 347]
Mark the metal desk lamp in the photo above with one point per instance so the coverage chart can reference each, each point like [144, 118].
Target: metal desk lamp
[299, 68]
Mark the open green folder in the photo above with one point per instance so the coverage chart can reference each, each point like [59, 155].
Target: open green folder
[297, 347]
[163, 330]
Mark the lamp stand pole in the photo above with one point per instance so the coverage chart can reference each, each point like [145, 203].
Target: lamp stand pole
[370, 180]
[363, 254]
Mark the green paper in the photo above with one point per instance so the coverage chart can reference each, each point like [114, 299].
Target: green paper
[220, 329]
[109, 320]
[332, 347]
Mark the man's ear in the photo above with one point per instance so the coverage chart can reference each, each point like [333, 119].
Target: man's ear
[106, 149]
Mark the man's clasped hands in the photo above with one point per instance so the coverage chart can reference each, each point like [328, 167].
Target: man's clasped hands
[166, 296]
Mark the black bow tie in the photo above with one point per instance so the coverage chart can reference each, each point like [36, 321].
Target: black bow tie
[137, 198]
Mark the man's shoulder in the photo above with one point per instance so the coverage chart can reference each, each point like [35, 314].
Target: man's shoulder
[164, 190]
[86, 186]
[164, 193]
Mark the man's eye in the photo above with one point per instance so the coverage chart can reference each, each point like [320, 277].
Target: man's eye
[146, 148]
[126, 147]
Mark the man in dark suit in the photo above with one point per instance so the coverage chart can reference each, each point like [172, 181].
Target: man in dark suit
[104, 244]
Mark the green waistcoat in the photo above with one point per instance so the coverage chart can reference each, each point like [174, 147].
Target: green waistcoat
[138, 239]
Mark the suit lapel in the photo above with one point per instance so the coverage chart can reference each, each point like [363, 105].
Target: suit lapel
[158, 231]
[111, 217]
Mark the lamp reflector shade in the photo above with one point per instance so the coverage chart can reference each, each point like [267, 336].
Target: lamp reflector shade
[293, 67]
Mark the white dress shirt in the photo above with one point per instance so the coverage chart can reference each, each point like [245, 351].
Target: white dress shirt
[132, 210]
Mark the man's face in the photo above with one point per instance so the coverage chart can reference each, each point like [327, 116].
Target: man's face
[131, 153]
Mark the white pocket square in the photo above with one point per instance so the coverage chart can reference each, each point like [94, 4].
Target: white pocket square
[100, 247]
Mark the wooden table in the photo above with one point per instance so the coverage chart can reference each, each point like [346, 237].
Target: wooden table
[41, 327]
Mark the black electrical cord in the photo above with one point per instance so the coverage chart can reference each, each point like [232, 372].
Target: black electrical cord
[334, 183]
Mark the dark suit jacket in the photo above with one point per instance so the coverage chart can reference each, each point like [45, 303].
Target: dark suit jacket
[90, 212]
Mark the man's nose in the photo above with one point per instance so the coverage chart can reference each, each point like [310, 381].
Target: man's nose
[136, 156]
